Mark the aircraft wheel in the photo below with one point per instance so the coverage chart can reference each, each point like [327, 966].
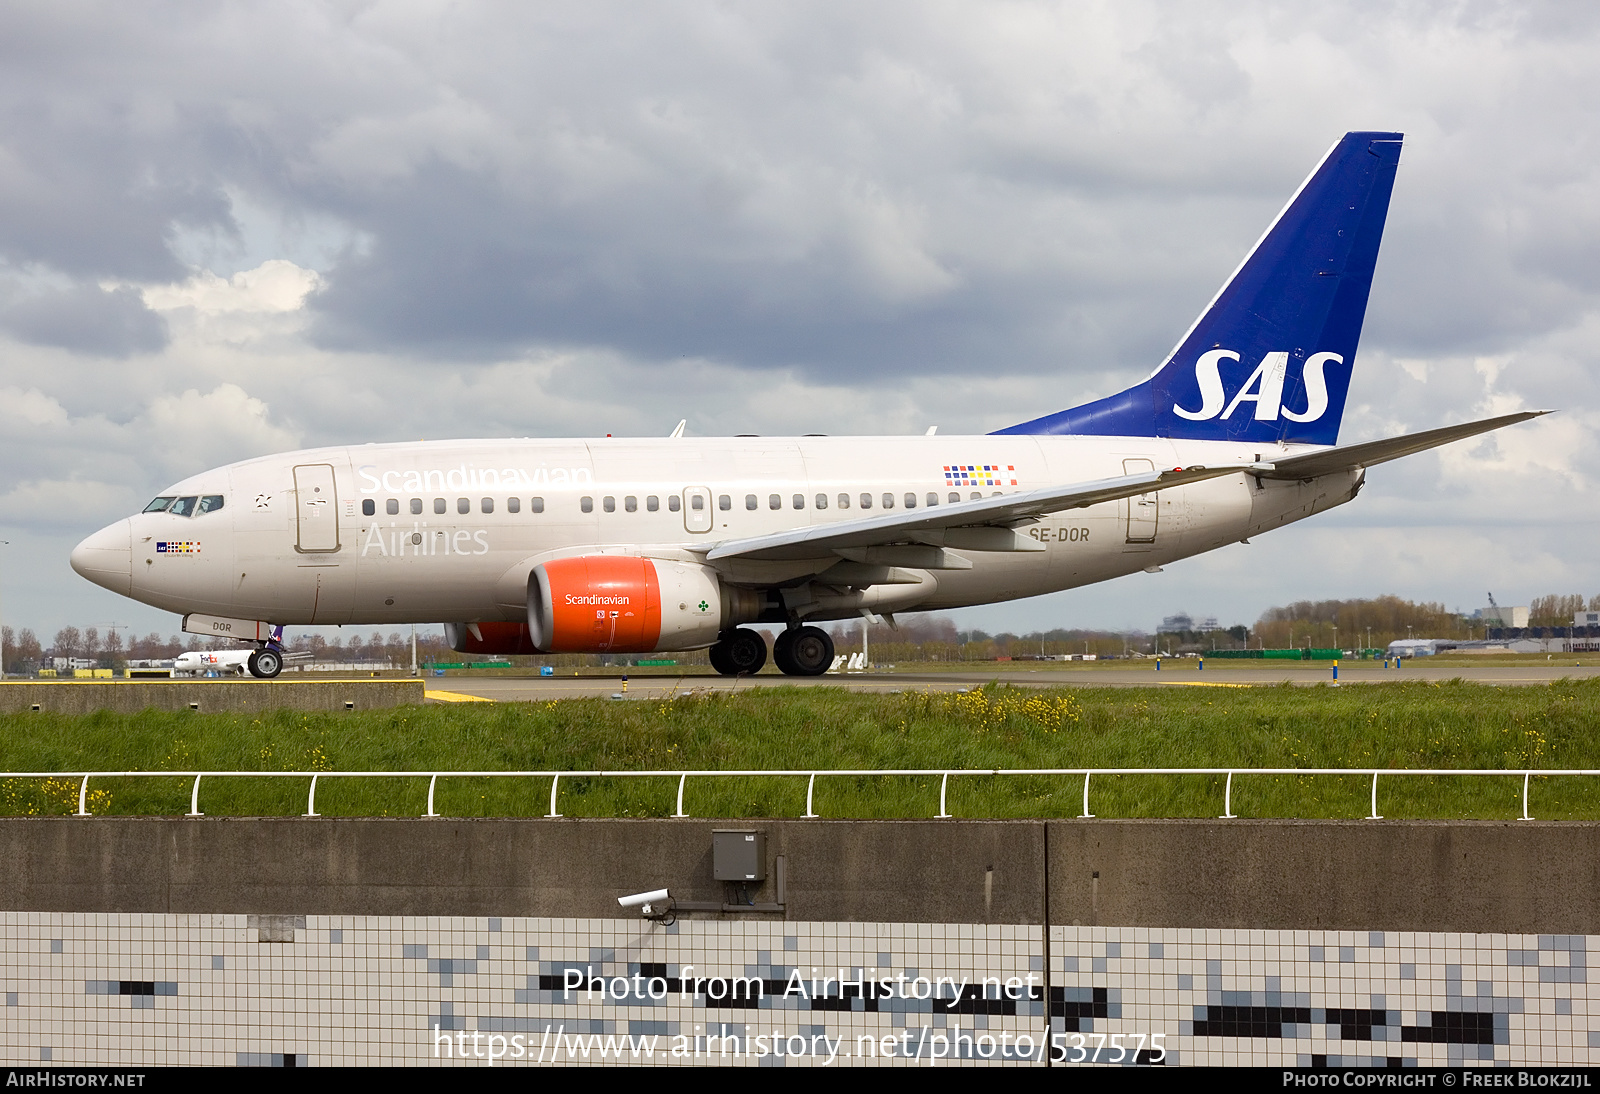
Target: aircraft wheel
[265, 664]
[806, 651]
[747, 652]
[720, 660]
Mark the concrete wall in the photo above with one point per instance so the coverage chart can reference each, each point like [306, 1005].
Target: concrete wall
[910, 871]
[1380, 875]
[211, 696]
[1485, 876]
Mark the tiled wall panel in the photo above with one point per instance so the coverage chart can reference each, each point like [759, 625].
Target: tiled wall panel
[127, 989]
[227, 989]
[1328, 998]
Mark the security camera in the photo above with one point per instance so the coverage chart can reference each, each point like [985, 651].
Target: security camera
[656, 904]
[645, 899]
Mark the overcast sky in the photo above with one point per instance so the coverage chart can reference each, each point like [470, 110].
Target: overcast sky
[233, 229]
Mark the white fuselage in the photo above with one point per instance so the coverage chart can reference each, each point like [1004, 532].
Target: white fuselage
[200, 662]
[448, 531]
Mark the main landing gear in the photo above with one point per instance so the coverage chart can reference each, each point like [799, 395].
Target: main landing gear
[739, 653]
[803, 651]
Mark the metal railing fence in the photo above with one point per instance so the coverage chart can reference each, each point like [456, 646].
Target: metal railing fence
[683, 776]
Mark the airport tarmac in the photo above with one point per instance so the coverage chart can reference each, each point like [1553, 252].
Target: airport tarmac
[1179, 673]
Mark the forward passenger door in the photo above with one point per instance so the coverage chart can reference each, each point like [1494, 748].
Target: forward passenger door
[316, 509]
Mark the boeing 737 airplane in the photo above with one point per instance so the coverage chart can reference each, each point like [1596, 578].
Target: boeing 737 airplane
[645, 545]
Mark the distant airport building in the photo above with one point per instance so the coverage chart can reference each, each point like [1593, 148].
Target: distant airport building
[72, 664]
[1498, 616]
[340, 666]
[1582, 637]
[1416, 647]
[1183, 621]
[1427, 647]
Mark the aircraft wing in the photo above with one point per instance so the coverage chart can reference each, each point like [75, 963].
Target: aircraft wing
[934, 524]
[1350, 457]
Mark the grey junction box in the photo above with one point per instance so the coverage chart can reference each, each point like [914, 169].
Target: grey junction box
[738, 855]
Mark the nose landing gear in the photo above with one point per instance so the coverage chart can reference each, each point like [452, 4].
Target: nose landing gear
[265, 663]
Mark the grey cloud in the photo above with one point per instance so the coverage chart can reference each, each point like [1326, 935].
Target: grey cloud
[841, 192]
[458, 269]
[87, 319]
[879, 193]
[90, 192]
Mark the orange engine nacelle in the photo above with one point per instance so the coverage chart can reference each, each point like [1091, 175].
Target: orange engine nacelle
[623, 604]
[490, 637]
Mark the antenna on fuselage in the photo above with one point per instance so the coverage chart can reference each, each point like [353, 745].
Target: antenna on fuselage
[678, 431]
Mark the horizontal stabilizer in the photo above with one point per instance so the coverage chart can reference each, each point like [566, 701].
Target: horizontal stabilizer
[1352, 456]
[934, 523]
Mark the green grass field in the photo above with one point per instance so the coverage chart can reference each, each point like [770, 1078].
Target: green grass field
[1403, 725]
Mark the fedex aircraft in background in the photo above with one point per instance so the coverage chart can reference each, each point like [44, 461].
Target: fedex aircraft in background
[200, 662]
[644, 545]
[235, 662]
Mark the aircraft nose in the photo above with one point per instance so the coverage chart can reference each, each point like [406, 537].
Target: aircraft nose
[106, 558]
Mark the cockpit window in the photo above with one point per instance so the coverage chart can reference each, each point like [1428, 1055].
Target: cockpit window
[209, 503]
[159, 505]
[183, 507]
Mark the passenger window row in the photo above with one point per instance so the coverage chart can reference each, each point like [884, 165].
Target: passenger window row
[798, 501]
[630, 503]
[752, 502]
[391, 506]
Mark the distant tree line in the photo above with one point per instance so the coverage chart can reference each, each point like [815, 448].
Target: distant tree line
[25, 653]
[1349, 624]
[1556, 610]
[1352, 624]
[1388, 618]
[1237, 637]
[937, 639]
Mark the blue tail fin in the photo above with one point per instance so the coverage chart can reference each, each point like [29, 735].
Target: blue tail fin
[1270, 359]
